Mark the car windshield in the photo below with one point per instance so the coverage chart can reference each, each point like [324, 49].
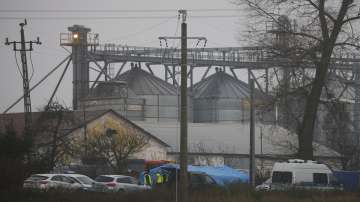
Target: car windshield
[104, 179]
[37, 178]
[282, 177]
[85, 180]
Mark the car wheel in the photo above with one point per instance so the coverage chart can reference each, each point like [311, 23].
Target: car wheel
[121, 190]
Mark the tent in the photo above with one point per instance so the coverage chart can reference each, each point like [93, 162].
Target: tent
[222, 175]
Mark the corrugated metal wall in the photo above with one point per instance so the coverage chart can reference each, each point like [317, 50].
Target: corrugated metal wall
[131, 108]
[220, 109]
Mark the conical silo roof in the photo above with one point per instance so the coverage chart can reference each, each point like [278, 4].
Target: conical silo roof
[222, 85]
[144, 83]
[112, 89]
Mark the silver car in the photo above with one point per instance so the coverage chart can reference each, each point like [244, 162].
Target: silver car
[50, 181]
[85, 181]
[117, 183]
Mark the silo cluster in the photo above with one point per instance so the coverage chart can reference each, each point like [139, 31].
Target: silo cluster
[137, 95]
[141, 96]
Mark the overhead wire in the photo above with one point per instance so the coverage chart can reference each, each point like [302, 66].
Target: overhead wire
[32, 67]
[112, 10]
[112, 17]
[143, 30]
[176, 32]
[84, 18]
[17, 64]
[38, 83]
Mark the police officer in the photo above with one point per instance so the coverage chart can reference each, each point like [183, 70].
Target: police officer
[147, 178]
[159, 178]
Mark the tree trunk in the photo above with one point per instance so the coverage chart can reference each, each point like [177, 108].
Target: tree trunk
[54, 149]
[312, 102]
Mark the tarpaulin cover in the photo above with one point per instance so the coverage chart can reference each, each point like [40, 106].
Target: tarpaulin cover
[349, 179]
[223, 175]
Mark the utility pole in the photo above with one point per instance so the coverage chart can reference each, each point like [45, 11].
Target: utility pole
[252, 134]
[184, 195]
[183, 188]
[23, 49]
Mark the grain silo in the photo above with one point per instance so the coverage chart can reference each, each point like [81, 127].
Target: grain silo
[161, 98]
[221, 97]
[117, 96]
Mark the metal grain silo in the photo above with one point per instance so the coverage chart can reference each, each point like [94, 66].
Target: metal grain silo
[117, 96]
[221, 97]
[161, 98]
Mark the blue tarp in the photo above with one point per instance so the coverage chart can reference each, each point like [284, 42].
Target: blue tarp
[349, 179]
[221, 174]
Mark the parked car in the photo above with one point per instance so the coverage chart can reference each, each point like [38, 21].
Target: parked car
[51, 181]
[265, 186]
[85, 181]
[199, 180]
[117, 183]
[300, 174]
[196, 180]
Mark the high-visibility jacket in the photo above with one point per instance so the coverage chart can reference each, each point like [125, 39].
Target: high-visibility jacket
[165, 177]
[159, 178]
[147, 179]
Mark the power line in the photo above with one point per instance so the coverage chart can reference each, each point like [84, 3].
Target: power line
[215, 16]
[114, 17]
[112, 10]
[32, 67]
[17, 64]
[87, 18]
[142, 30]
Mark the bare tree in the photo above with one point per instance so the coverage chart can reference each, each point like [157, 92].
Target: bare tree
[50, 146]
[322, 28]
[115, 145]
[338, 129]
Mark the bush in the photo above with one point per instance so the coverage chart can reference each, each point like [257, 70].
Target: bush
[12, 173]
[12, 166]
[236, 193]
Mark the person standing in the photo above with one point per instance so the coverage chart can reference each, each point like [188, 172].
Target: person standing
[147, 178]
[159, 178]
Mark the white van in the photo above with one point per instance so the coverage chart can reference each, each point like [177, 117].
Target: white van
[300, 174]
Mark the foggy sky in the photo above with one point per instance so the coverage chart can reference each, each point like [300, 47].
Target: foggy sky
[221, 32]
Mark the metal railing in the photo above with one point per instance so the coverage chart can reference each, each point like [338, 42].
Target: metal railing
[227, 56]
[67, 39]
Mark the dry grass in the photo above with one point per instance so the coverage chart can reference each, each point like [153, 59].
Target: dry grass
[238, 193]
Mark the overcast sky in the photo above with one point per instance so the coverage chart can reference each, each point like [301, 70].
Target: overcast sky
[220, 31]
